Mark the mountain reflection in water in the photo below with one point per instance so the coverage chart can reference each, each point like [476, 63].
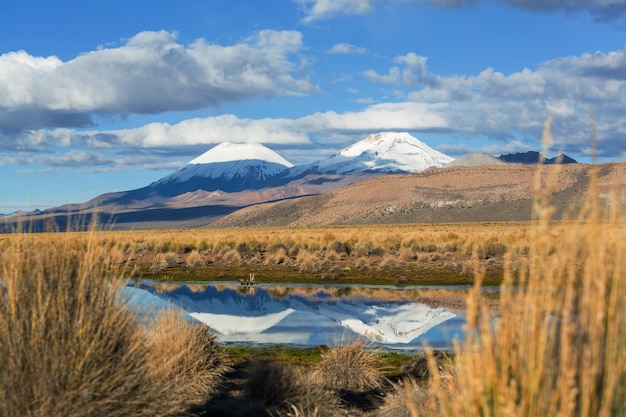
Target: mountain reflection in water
[307, 316]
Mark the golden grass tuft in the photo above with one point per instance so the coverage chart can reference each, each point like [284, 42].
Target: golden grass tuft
[69, 346]
[349, 365]
[407, 399]
[185, 355]
[558, 347]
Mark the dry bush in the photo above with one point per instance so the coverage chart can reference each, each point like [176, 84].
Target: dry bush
[362, 263]
[194, 259]
[367, 248]
[185, 355]
[170, 258]
[559, 346]
[390, 261]
[408, 255]
[408, 399]
[349, 365]
[277, 256]
[283, 392]
[158, 266]
[308, 262]
[69, 346]
[231, 256]
[331, 256]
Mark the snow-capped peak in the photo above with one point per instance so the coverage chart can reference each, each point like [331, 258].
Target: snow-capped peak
[229, 167]
[386, 151]
[229, 151]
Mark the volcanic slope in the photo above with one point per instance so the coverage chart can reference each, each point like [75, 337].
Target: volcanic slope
[457, 194]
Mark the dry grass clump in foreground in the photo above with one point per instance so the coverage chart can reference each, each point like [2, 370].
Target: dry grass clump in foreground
[559, 345]
[185, 354]
[349, 365]
[70, 347]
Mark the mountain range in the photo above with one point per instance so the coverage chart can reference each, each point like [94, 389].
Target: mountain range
[233, 176]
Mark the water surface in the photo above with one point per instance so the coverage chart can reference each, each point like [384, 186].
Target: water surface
[303, 315]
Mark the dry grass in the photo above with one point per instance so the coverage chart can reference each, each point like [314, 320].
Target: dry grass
[185, 355]
[310, 250]
[559, 345]
[349, 365]
[406, 399]
[70, 347]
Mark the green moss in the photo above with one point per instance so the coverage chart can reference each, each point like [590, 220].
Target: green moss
[372, 276]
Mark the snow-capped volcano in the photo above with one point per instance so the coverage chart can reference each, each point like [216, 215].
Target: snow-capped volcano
[231, 175]
[385, 151]
[228, 167]
[229, 151]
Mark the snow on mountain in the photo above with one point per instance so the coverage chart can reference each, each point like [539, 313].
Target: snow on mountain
[229, 167]
[229, 151]
[229, 161]
[306, 320]
[385, 151]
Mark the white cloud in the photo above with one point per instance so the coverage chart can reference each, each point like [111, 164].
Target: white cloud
[507, 106]
[384, 116]
[509, 109]
[347, 49]
[412, 69]
[324, 9]
[15, 160]
[150, 73]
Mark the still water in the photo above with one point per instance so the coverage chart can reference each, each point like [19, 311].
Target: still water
[305, 315]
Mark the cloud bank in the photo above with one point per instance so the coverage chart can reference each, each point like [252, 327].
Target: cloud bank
[40, 113]
[150, 73]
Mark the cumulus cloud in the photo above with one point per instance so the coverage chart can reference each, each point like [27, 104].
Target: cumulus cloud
[324, 9]
[410, 70]
[150, 73]
[377, 117]
[512, 106]
[508, 108]
[347, 49]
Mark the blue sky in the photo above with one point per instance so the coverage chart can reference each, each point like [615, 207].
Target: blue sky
[102, 96]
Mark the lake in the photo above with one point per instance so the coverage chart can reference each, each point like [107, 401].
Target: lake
[308, 315]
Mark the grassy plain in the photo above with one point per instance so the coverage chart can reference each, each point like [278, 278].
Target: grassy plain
[431, 254]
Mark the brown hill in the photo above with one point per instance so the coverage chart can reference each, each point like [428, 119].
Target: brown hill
[457, 194]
